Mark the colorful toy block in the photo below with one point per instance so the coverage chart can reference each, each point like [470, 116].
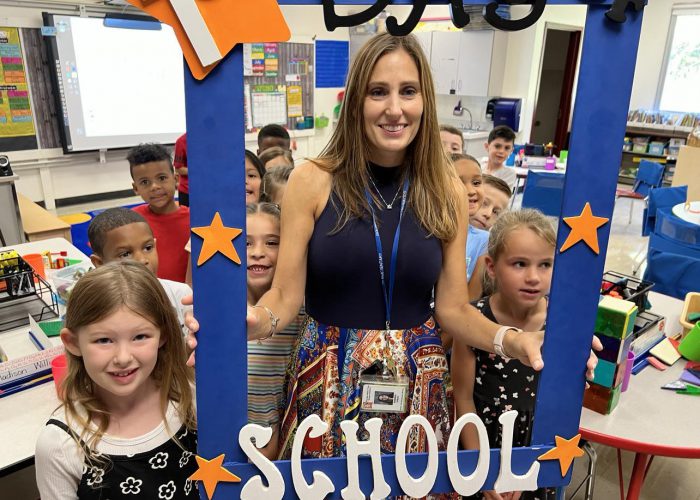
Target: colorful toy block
[614, 325]
[615, 317]
[601, 399]
[614, 349]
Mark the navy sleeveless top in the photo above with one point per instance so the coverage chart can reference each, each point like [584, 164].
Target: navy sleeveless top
[343, 285]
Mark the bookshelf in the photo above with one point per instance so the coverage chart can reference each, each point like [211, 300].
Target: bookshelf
[653, 133]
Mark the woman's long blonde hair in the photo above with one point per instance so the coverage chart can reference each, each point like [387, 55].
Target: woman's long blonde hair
[433, 195]
[96, 296]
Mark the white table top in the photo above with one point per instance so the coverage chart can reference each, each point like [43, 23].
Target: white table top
[22, 415]
[523, 171]
[692, 217]
[647, 418]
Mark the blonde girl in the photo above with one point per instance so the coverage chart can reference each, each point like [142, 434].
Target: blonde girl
[519, 262]
[274, 183]
[127, 423]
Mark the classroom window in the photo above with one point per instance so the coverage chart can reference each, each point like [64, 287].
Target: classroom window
[681, 71]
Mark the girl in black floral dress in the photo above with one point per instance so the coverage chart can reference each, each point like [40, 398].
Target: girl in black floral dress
[126, 429]
[519, 262]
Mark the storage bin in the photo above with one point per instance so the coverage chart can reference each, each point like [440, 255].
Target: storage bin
[65, 279]
[656, 148]
[628, 287]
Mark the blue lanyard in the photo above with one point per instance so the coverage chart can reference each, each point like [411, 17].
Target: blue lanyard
[388, 295]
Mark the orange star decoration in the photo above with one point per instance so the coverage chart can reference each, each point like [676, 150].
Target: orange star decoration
[217, 238]
[565, 451]
[584, 227]
[207, 30]
[210, 472]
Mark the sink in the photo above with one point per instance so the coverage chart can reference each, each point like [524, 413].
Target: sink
[474, 134]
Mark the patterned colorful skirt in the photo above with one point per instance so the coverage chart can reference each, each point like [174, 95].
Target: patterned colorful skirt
[322, 382]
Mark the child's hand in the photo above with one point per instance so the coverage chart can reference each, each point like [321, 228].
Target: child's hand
[592, 358]
[512, 495]
[492, 495]
[257, 325]
[193, 326]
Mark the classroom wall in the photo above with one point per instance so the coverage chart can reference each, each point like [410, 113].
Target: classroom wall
[49, 175]
[524, 57]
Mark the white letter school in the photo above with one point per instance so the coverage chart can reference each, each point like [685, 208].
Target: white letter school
[415, 487]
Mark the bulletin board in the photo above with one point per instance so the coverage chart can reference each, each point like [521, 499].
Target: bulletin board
[16, 122]
[278, 83]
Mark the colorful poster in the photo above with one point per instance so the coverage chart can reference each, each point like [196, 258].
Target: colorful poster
[15, 108]
[268, 104]
[271, 59]
[257, 56]
[294, 101]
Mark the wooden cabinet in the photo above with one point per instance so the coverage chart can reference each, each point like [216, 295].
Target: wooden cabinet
[469, 63]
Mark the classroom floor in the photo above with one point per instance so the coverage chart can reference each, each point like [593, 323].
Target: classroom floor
[668, 478]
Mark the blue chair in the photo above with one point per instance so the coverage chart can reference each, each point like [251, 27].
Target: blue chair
[543, 191]
[673, 255]
[663, 197]
[650, 174]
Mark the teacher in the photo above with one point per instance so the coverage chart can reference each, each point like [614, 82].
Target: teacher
[370, 230]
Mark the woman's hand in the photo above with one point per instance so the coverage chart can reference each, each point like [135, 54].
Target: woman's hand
[193, 326]
[253, 323]
[526, 347]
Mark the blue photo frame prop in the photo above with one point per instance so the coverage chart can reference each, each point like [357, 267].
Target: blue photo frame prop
[215, 126]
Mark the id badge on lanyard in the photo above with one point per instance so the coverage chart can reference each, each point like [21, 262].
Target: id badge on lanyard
[383, 389]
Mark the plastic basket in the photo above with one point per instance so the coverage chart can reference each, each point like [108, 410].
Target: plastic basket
[628, 287]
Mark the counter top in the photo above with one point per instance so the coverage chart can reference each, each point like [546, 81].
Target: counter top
[471, 135]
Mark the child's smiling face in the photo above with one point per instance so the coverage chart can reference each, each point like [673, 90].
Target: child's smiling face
[469, 173]
[155, 183]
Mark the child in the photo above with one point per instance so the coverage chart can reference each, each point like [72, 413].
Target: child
[452, 139]
[127, 422]
[119, 233]
[254, 172]
[180, 164]
[154, 181]
[276, 157]
[469, 172]
[500, 144]
[273, 135]
[268, 359]
[274, 183]
[519, 261]
[496, 198]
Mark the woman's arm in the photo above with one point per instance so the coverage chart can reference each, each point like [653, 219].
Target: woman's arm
[463, 370]
[305, 197]
[475, 288]
[454, 313]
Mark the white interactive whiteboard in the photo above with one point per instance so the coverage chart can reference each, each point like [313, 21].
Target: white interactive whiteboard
[117, 86]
